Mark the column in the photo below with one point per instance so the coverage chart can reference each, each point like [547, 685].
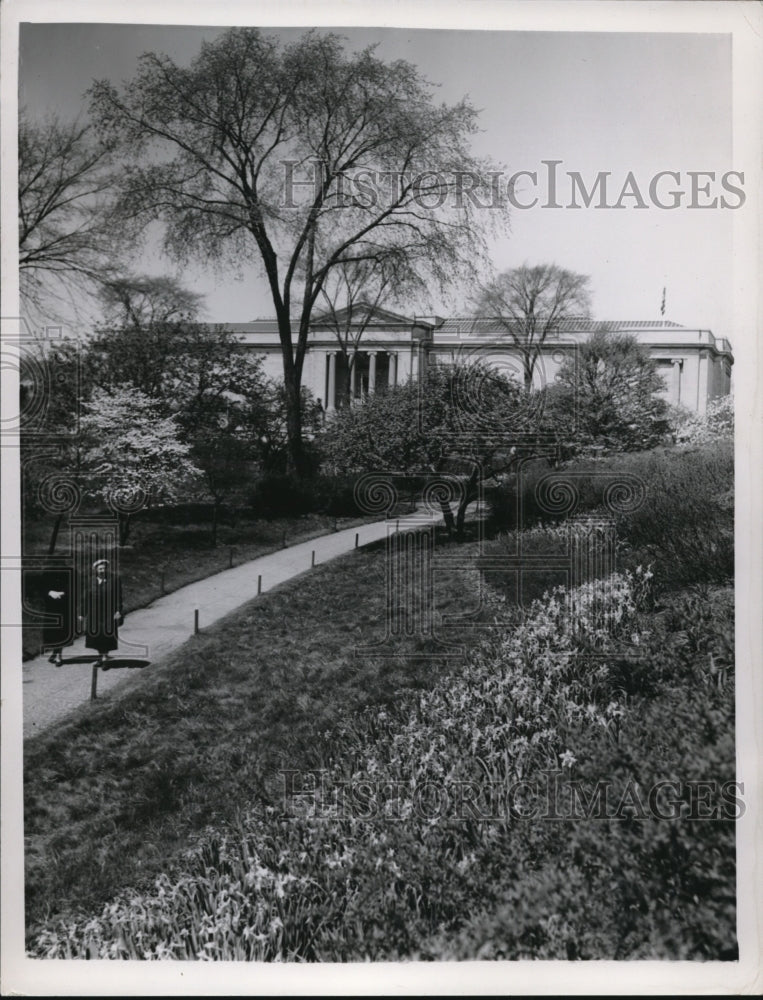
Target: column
[392, 370]
[371, 372]
[702, 387]
[331, 394]
[675, 388]
[353, 377]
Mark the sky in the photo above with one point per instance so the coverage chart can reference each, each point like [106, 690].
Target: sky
[631, 102]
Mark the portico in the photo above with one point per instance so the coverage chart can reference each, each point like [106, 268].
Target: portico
[356, 376]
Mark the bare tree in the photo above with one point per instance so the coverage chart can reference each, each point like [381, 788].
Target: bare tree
[65, 234]
[143, 300]
[301, 158]
[529, 303]
[355, 290]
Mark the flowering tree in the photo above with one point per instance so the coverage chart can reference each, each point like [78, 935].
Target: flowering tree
[717, 422]
[132, 456]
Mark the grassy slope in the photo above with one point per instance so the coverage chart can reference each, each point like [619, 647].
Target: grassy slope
[115, 791]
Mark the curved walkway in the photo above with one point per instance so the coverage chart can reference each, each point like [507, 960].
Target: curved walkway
[50, 693]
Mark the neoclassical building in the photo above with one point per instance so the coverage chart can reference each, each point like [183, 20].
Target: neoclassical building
[696, 365]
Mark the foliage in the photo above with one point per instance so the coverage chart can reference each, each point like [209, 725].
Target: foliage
[681, 520]
[247, 154]
[686, 522]
[606, 396]
[530, 303]
[716, 423]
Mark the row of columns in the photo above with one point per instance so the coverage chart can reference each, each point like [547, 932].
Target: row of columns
[391, 375]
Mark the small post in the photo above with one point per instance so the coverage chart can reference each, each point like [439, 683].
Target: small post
[259, 584]
[334, 524]
[230, 558]
[94, 682]
[356, 539]
[162, 584]
[196, 622]
[312, 559]
[283, 541]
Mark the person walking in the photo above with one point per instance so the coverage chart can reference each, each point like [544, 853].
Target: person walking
[103, 611]
[58, 592]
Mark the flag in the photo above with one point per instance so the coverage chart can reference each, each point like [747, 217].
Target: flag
[662, 307]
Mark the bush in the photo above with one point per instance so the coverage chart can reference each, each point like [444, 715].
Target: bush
[686, 522]
[280, 495]
[681, 520]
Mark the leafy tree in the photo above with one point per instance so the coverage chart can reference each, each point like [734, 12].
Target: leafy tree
[169, 360]
[467, 422]
[607, 395]
[65, 179]
[52, 386]
[529, 303]
[303, 158]
[227, 412]
[132, 454]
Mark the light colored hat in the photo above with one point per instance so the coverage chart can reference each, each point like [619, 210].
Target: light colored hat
[100, 562]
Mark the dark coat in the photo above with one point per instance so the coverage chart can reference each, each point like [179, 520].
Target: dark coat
[63, 631]
[102, 601]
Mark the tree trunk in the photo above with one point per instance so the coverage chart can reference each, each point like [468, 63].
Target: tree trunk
[461, 515]
[295, 455]
[470, 494]
[54, 534]
[215, 512]
[447, 516]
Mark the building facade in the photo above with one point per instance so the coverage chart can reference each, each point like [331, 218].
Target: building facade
[695, 364]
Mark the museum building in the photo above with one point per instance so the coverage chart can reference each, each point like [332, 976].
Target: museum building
[695, 364]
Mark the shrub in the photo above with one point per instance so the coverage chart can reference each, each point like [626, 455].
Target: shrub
[681, 520]
[717, 423]
[280, 495]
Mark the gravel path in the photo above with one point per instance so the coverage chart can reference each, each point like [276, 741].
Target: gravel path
[50, 693]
